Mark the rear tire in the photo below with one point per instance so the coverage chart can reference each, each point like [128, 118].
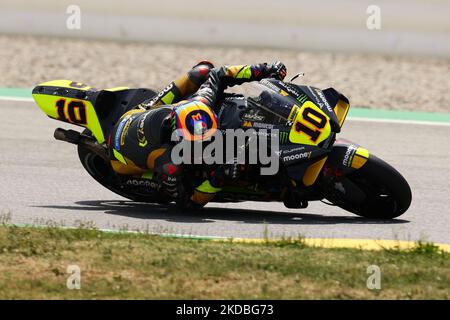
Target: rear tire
[103, 173]
[376, 191]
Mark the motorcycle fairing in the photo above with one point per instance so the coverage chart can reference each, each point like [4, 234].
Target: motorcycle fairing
[307, 123]
[331, 102]
[291, 153]
[85, 106]
[320, 105]
[340, 103]
[71, 102]
[347, 156]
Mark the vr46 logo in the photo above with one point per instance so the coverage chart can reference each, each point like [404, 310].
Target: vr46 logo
[74, 111]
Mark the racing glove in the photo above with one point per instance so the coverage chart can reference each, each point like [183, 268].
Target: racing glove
[277, 70]
[169, 180]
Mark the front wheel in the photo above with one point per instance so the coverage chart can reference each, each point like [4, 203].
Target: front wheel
[375, 191]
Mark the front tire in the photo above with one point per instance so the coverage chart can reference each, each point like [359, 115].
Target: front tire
[376, 191]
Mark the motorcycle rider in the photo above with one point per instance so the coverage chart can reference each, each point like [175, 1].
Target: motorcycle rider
[140, 142]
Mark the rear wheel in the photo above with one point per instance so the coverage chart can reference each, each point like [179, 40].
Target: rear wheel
[375, 191]
[103, 173]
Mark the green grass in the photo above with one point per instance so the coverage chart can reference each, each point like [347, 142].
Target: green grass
[33, 264]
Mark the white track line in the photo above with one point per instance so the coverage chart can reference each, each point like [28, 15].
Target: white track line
[427, 123]
[16, 99]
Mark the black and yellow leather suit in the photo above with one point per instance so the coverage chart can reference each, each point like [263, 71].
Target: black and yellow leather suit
[140, 142]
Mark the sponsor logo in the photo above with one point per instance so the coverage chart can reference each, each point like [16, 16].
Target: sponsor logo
[316, 98]
[297, 156]
[265, 134]
[313, 93]
[198, 122]
[253, 117]
[293, 114]
[293, 150]
[284, 136]
[164, 92]
[142, 183]
[291, 89]
[270, 85]
[302, 98]
[262, 125]
[348, 157]
[160, 95]
[234, 98]
[119, 131]
[140, 131]
[197, 117]
[322, 97]
[321, 101]
[125, 131]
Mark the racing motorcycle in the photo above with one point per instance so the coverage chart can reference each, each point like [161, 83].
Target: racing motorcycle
[314, 164]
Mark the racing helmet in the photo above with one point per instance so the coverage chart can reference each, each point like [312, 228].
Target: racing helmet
[194, 121]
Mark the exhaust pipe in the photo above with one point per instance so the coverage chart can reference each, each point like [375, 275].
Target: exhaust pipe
[74, 137]
[70, 136]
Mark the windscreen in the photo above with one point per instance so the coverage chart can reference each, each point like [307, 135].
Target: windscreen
[267, 96]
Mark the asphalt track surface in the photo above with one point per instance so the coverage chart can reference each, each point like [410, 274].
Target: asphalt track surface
[43, 181]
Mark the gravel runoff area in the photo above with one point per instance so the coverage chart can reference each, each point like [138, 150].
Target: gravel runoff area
[373, 81]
